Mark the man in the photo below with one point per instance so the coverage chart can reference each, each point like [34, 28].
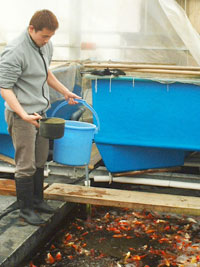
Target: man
[24, 82]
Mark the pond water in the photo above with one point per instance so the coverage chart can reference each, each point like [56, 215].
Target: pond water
[109, 237]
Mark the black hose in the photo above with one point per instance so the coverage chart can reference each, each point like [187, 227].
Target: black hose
[45, 66]
[77, 114]
[13, 207]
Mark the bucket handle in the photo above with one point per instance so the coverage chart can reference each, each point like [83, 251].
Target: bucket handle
[82, 101]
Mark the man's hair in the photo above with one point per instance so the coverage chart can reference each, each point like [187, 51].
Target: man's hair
[44, 19]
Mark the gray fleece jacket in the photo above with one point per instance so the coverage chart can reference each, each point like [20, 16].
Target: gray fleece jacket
[23, 68]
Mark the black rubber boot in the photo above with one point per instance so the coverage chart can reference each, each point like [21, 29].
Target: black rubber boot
[24, 191]
[39, 203]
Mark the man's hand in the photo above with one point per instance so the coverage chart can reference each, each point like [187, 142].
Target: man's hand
[14, 104]
[33, 119]
[59, 87]
[71, 98]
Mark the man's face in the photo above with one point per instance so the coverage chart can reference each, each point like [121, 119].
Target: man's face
[40, 37]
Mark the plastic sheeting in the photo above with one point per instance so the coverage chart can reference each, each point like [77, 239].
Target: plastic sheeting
[140, 31]
[69, 76]
[183, 27]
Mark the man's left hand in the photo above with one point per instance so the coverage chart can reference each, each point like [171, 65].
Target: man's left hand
[71, 98]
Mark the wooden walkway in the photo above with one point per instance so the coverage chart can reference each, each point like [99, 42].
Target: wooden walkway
[113, 197]
[7, 187]
[124, 198]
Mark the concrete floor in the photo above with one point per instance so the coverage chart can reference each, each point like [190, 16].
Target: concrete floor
[18, 239]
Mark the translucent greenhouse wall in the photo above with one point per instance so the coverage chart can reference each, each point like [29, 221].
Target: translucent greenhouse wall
[140, 31]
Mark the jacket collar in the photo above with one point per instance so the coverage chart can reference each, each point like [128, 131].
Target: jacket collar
[32, 43]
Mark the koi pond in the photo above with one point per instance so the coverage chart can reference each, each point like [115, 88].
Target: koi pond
[121, 237]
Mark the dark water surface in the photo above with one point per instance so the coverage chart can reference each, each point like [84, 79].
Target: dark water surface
[122, 237]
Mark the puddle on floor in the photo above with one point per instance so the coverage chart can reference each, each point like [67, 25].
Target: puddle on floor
[122, 237]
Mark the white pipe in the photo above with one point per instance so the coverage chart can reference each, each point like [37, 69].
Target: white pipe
[11, 169]
[142, 181]
[8, 169]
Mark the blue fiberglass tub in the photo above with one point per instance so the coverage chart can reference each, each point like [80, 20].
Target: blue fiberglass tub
[6, 145]
[145, 123]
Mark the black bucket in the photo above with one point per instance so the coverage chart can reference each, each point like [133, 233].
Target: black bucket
[52, 128]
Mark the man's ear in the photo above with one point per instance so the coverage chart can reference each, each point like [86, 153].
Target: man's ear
[30, 28]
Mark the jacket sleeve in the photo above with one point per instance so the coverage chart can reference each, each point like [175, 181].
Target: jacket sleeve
[10, 68]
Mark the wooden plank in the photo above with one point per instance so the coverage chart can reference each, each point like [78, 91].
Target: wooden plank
[95, 157]
[132, 173]
[193, 7]
[182, 72]
[124, 198]
[57, 64]
[7, 159]
[7, 187]
[171, 176]
[141, 66]
[193, 160]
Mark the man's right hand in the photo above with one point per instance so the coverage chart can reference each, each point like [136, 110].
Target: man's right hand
[14, 104]
[33, 119]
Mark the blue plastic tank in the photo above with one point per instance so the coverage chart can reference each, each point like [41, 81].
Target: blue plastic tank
[145, 123]
[6, 145]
